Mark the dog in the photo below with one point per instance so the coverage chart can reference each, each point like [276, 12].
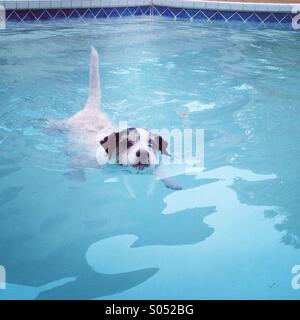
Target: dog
[94, 132]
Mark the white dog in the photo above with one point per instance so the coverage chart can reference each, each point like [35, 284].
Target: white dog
[92, 130]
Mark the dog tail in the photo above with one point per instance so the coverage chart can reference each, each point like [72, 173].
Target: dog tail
[94, 91]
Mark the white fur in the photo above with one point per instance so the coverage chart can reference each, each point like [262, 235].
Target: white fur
[142, 144]
[90, 125]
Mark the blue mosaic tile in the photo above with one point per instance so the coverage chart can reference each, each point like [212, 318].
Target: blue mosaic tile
[235, 17]
[29, 16]
[88, 14]
[84, 13]
[67, 12]
[226, 14]
[168, 13]
[200, 15]
[254, 18]
[145, 10]
[174, 13]
[101, 14]
[270, 19]
[183, 14]
[192, 12]
[132, 10]
[74, 14]
[159, 10]
[279, 15]
[126, 12]
[245, 15]
[217, 16]
[60, 15]
[287, 19]
[53, 13]
[209, 13]
[120, 11]
[94, 11]
[262, 15]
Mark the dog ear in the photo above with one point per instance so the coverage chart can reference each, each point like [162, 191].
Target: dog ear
[110, 143]
[162, 145]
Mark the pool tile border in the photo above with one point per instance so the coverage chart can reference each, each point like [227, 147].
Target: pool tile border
[192, 10]
[81, 13]
[184, 4]
[227, 16]
[72, 4]
[227, 5]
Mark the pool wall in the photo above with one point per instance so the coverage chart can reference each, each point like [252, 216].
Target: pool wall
[261, 13]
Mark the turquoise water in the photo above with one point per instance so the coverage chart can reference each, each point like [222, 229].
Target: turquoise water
[234, 229]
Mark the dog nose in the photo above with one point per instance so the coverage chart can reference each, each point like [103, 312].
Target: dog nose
[143, 156]
[143, 153]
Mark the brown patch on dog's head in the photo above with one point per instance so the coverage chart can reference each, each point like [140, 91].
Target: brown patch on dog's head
[159, 143]
[118, 142]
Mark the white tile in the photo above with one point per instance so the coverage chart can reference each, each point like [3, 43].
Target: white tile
[66, 3]
[106, 3]
[288, 7]
[144, 3]
[134, 3]
[172, 3]
[123, 3]
[294, 8]
[147, 2]
[212, 5]
[236, 6]
[200, 4]
[45, 4]
[224, 6]
[10, 4]
[76, 3]
[183, 4]
[272, 7]
[96, 3]
[114, 3]
[158, 2]
[175, 4]
[34, 4]
[163, 3]
[55, 4]
[85, 3]
[249, 7]
[261, 7]
[22, 5]
[188, 4]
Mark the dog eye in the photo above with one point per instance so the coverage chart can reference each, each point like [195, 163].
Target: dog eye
[129, 144]
[150, 143]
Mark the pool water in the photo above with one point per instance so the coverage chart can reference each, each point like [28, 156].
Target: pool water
[233, 231]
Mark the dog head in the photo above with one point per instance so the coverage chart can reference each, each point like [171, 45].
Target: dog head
[135, 147]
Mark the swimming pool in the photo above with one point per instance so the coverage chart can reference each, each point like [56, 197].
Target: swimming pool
[234, 229]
